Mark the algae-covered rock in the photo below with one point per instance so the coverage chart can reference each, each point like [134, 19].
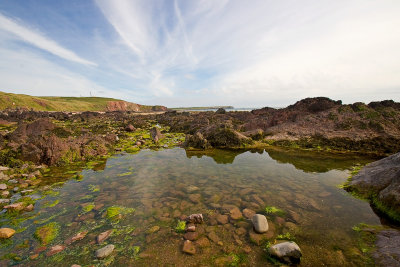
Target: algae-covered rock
[114, 212]
[47, 233]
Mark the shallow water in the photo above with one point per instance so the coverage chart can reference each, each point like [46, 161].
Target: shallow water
[164, 185]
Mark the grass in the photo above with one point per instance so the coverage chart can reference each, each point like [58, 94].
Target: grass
[50, 103]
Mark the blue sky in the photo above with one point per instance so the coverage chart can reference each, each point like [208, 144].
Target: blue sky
[202, 52]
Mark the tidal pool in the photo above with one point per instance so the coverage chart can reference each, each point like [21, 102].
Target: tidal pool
[148, 192]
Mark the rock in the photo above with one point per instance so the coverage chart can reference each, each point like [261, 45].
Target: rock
[324, 194]
[222, 219]
[176, 213]
[220, 111]
[4, 201]
[189, 247]
[213, 237]
[6, 232]
[84, 217]
[104, 251]
[235, 213]
[130, 128]
[380, 180]
[15, 207]
[203, 242]
[387, 248]
[191, 228]
[3, 186]
[191, 236]
[4, 168]
[260, 223]
[153, 229]
[240, 231]
[191, 189]
[29, 208]
[54, 250]
[5, 193]
[248, 213]
[13, 181]
[34, 256]
[27, 191]
[197, 140]
[195, 198]
[156, 135]
[75, 265]
[16, 189]
[288, 252]
[195, 218]
[79, 236]
[138, 143]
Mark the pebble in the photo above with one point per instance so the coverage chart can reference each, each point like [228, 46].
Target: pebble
[235, 213]
[15, 189]
[5, 193]
[203, 242]
[191, 236]
[3, 186]
[13, 181]
[191, 228]
[6, 232]
[55, 249]
[104, 251]
[153, 229]
[27, 191]
[16, 206]
[189, 247]
[248, 213]
[76, 237]
[260, 223]
[30, 207]
[213, 237]
[222, 219]
[103, 236]
[195, 218]
[4, 201]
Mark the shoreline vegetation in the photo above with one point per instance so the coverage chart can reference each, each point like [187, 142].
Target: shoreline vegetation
[32, 142]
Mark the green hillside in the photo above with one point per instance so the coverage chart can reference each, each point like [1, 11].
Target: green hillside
[50, 103]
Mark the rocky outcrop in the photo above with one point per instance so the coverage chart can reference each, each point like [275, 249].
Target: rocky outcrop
[156, 134]
[387, 248]
[380, 182]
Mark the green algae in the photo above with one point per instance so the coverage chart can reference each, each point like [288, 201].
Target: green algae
[51, 204]
[113, 211]
[94, 188]
[47, 233]
[180, 226]
[274, 210]
[87, 208]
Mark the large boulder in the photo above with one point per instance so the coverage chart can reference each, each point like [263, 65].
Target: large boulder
[380, 182]
[197, 141]
[387, 252]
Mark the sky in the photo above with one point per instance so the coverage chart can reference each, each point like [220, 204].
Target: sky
[182, 53]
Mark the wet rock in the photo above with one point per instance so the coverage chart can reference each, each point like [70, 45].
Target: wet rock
[13, 181]
[235, 213]
[3, 186]
[288, 252]
[324, 194]
[248, 213]
[4, 168]
[222, 219]
[197, 140]
[54, 250]
[26, 192]
[381, 180]
[195, 218]
[15, 206]
[156, 135]
[195, 198]
[4, 201]
[153, 229]
[75, 265]
[260, 223]
[387, 246]
[104, 252]
[203, 242]
[28, 208]
[191, 189]
[220, 111]
[78, 236]
[240, 231]
[6, 232]
[213, 237]
[34, 256]
[191, 228]
[84, 217]
[130, 128]
[188, 247]
[176, 213]
[191, 236]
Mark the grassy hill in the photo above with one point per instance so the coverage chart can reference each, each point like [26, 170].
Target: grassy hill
[50, 103]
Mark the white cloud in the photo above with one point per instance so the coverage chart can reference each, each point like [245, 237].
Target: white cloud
[262, 51]
[38, 39]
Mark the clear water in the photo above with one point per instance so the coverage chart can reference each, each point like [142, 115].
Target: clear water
[163, 185]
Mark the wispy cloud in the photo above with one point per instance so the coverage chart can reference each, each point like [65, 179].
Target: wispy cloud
[39, 40]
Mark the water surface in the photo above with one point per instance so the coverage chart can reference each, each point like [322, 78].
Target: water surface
[164, 185]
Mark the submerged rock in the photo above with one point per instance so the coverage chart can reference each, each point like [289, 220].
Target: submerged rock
[288, 252]
[6, 232]
[189, 247]
[260, 223]
[3, 186]
[103, 236]
[104, 251]
[55, 249]
[195, 218]
[76, 237]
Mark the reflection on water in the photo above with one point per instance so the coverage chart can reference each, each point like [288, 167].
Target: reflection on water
[164, 185]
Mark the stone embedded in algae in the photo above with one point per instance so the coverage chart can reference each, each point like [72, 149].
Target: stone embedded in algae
[113, 212]
[6, 232]
[47, 233]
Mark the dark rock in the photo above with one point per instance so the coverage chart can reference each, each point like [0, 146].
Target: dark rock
[156, 135]
[195, 218]
[191, 236]
[380, 181]
[220, 111]
[130, 128]
[387, 252]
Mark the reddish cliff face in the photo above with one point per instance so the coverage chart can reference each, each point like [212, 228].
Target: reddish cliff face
[122, 106]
